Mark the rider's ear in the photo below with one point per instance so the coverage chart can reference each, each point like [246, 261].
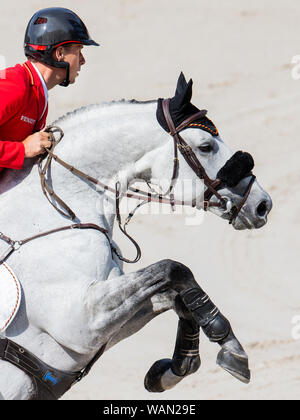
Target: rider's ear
[58, 53]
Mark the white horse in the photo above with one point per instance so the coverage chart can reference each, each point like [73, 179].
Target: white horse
[76, 298]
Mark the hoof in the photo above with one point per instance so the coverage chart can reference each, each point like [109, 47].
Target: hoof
[153, 377]
[235, 363]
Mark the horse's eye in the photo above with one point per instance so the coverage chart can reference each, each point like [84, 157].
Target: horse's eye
[206, 148]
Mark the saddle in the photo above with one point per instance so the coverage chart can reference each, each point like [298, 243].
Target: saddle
[49, 383]
[10, 296]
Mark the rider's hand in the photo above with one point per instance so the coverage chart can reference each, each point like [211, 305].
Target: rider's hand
[36, 143]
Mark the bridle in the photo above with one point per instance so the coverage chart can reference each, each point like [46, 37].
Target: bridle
[212, 186]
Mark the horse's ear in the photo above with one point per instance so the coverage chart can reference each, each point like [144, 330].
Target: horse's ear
[184, 91]
[181, 84]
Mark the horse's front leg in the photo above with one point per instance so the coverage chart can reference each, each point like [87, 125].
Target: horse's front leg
[119, 305]
[195, 310]
[167, 373]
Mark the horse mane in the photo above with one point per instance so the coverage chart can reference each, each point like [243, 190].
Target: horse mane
[91, 107]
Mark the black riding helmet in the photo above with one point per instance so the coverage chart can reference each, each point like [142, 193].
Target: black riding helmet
[50, 28]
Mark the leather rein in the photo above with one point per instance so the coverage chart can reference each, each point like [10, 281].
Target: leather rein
[212, 187]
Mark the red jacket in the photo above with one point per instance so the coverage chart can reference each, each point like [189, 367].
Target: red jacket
[23, 111]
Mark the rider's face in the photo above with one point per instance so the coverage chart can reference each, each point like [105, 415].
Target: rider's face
[73, 55]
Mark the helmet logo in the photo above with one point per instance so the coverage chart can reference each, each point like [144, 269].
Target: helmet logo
[40, 21]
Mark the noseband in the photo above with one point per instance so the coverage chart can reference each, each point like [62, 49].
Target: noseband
[212, 186]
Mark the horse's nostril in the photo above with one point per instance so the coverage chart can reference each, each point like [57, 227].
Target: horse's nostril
[262, 209]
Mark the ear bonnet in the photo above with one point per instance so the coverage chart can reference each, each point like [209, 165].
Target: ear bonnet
[181, 108]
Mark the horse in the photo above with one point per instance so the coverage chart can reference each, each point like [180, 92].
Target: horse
[77, 302]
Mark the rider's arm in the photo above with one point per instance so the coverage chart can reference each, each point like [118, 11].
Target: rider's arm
[12, 153]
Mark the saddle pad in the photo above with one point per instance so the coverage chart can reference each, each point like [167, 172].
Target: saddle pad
[10, 296]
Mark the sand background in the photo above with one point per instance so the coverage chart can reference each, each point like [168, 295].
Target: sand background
[239, 55]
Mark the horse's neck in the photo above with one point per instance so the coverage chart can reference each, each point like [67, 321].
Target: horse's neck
[109, 142]
[106, 142]
[104, 139]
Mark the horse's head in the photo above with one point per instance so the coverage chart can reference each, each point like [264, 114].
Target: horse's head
[232, 191]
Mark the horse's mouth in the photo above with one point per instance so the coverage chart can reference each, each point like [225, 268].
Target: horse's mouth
[240, 222]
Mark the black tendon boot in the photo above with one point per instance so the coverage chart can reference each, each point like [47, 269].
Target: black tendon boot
[166, 373]
[217, 328]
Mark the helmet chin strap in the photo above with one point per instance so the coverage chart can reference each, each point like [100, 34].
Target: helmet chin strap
[66, 82]
[63, 65]
[59, 65]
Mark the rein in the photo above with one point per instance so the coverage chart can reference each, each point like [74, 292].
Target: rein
[138, 194]
[16, 245]
[145, 197]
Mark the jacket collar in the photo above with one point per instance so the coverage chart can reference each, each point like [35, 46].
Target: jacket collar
[41, 89]
[33, 76]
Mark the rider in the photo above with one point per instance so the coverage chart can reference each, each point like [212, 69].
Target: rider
[53, 45]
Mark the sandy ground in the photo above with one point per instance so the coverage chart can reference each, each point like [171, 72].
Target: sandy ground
[239, 55]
